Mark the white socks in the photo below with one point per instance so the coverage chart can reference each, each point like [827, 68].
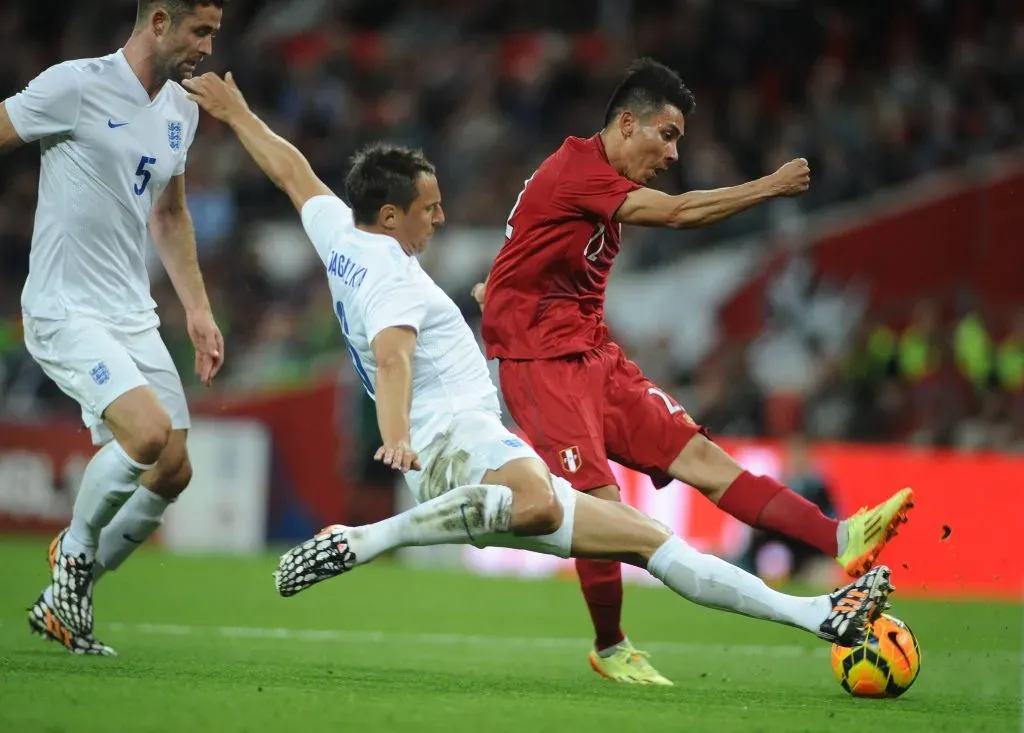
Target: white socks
[711, 581]
[465, 514]
[109, 479]
[139, 518]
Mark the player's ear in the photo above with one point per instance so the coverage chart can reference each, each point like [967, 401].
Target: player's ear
[160, 22]
[627, 123]
[387, 217]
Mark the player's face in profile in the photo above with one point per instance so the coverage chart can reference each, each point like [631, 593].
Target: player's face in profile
[424, 216]
[186, 44]
[654, 144]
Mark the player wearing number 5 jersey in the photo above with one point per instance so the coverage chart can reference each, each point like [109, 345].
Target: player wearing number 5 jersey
[573, 391]
[114, 134]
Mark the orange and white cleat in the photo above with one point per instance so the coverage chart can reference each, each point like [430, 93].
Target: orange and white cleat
[856, 607]
[325, 555]
[43, 620]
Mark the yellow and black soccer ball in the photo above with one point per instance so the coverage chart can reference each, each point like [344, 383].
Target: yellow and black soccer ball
[885, 665]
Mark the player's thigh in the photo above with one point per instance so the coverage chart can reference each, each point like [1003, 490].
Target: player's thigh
[645, 428]
[156, 365]
[472, 445]
[85, 359]
[558, 404]
[138, 422]
[165, 409]
[705, 466]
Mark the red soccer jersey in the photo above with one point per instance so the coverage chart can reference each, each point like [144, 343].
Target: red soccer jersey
[545, 292]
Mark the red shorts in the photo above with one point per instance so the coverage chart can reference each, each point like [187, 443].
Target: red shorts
[581, 411]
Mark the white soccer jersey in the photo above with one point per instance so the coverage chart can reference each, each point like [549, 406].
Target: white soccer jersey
[108, 152]
[376, 285]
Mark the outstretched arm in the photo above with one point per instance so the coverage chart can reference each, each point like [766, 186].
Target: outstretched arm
[647, 207]
[279, 159]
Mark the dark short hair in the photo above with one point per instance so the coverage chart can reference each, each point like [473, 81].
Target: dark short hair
[177, 9]
[384, 174]
[647, 87]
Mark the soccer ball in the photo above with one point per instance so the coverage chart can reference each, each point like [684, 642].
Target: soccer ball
[885, 665]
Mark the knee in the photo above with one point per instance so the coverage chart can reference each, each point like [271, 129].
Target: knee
[171, 480]
[536, 509]
[148, 440]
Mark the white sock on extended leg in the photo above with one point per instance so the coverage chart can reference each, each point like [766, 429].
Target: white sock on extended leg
[133, 524]
[711, 581]
[463, 515]
[109, 479]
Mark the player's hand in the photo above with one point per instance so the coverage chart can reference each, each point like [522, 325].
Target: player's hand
[209, 344]
[478, 292]
[793, 178]
[399, 455]
[220, 98]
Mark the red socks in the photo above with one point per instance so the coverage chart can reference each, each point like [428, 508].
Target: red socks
[601, 582]
[763, 502]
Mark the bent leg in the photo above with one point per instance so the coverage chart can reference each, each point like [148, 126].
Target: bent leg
[759, 501]
[141, 429]
[142, 514]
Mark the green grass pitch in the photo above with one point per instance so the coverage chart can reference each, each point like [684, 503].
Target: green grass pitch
[206, 645]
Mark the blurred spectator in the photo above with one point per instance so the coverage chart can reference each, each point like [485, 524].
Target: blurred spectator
[871, 94]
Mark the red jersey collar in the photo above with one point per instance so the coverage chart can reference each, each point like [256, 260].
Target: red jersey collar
[598, 143]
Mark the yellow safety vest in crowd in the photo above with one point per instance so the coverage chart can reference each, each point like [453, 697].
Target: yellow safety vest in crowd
[918, 358]
[973, 349]
[1010, 364]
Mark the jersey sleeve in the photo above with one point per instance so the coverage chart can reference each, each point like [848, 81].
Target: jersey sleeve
[592, 188]
[193, 127]
[394, 300]
[325, 219]
[49, 105]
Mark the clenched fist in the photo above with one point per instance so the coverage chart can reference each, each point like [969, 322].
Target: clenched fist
[479, 292]
[793, 178]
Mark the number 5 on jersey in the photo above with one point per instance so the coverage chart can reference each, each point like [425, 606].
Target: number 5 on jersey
[144, 174]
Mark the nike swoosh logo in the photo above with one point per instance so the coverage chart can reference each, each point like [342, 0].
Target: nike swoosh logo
[132, 539]
[111, 124]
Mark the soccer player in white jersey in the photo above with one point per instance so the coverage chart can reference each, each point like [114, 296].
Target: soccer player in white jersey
[114, 133]
[474, 481]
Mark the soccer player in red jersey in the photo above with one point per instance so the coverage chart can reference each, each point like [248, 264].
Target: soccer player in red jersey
[580, 401]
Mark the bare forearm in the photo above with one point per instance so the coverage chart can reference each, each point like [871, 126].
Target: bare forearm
[394, 399]
[700, 208]
[277, 157]
[176, 244]
[9, 138]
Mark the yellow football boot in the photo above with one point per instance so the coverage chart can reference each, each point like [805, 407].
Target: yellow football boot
[868, 531]
[627, 664]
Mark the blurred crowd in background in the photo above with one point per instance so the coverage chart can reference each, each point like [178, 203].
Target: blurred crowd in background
[873, 94]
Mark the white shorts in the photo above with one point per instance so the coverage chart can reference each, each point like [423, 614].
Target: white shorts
[473, 443]
[95, 361]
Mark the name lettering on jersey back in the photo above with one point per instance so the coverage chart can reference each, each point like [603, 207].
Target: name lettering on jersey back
[347, 270]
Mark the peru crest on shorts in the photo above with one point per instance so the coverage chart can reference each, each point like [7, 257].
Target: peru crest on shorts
[571, 459]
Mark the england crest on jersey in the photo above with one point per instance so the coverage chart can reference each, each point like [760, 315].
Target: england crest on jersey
[174, 135]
